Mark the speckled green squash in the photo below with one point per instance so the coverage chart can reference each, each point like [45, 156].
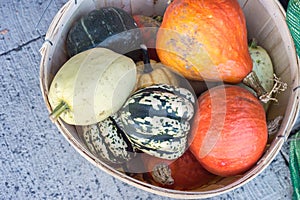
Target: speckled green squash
[157, 120]
[107, 27]
[263, 68]
[262, 65]
[107, 141]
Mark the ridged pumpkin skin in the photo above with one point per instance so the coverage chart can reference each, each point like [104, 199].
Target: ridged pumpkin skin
[230, 130]
[205, 40]
[159, 75]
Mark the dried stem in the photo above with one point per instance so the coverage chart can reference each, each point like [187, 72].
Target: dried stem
[252, 81]
[162, 174]
[279, 86]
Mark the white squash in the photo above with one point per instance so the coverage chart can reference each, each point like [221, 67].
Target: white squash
[91, 86]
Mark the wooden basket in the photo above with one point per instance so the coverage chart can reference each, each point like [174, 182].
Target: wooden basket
[265, 22]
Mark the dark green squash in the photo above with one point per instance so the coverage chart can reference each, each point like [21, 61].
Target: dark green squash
[107, 27]
[157, 119]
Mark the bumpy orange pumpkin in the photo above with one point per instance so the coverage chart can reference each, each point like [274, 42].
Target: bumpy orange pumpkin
[205, 40]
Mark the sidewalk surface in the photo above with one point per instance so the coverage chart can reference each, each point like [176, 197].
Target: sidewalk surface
[36, 161]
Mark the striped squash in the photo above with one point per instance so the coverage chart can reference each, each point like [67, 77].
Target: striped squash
[107, 141]
[108, 27]
[157, 119]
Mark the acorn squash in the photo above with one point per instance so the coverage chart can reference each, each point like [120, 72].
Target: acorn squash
[157, 119]
[108, 27]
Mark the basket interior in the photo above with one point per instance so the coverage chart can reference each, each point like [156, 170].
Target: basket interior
[265, 22]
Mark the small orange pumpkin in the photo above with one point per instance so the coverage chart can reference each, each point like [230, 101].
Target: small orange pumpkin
[183, 173]
[150, 72]
[159, 74]
[205, 40]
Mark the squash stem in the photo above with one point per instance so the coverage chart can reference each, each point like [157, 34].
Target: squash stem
[162, 174]
[252, 81]
[253, 43]
[158, 18]
[147, 66]
[60, 108]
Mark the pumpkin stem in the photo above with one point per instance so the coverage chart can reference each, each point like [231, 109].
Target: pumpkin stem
[253, 43]
[60, 108]
[147, 66]
[162, 174]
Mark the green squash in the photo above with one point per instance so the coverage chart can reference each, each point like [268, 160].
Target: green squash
[263, 72]
[157, 119]
[262, 65]
[108, 27]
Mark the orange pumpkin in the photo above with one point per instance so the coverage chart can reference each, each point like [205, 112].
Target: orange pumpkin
[229, 133]
[150, 72]
[158, 74]
[205, 40]
[184, 173]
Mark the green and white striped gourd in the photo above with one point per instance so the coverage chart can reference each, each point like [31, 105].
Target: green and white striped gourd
[157, 119]
[107, 141]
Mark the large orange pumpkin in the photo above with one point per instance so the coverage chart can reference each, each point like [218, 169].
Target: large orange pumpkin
[229, 133]
[205, 40]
